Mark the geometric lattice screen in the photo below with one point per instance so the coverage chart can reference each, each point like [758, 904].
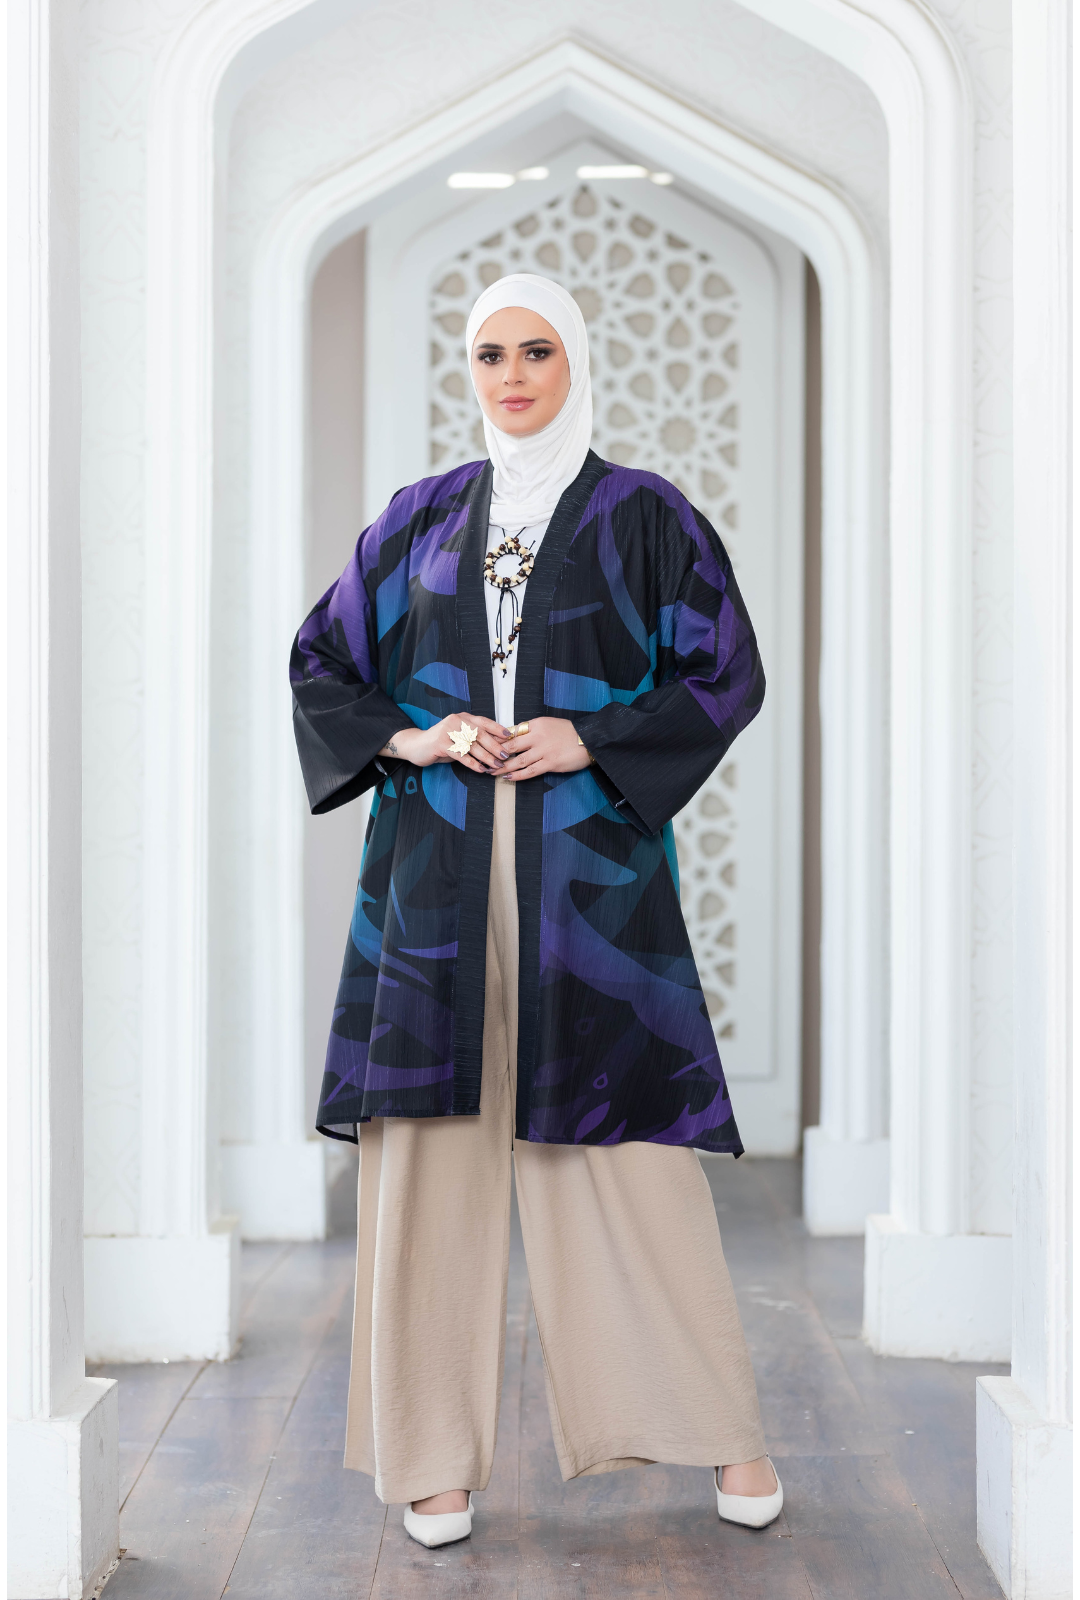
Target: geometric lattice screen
[663, 324]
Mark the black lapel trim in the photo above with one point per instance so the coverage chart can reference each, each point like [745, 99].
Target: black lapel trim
[529, 702]
[479, 811]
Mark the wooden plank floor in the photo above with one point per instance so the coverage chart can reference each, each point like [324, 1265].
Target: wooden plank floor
[232, 1481]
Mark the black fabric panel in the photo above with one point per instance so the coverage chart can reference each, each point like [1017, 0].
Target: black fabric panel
[470, 973]
[657, 753]
[340, 728]
[529, 822]
[612, 791]
[655, 758]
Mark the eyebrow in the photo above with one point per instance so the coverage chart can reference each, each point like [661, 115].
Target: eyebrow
[524, 345]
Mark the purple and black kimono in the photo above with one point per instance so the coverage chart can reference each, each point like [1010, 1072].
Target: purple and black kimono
[634, 629]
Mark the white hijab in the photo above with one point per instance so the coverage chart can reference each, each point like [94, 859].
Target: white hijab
[531, 472]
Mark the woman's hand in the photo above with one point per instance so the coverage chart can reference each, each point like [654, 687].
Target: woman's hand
[423, 747]
[551, 745]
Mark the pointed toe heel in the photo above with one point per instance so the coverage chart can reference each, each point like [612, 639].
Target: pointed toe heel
[446, 1528]
[750, 1510]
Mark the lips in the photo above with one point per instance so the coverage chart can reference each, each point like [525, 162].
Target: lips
[518, 403]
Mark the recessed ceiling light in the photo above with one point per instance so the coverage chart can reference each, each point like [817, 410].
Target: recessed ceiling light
[613, 172]
[480, 180]
[533, 173]
[661, 177]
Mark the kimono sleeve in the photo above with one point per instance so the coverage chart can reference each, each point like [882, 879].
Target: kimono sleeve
[653, 754]
[341, 715]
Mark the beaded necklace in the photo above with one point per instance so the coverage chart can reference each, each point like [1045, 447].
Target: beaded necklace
[512, 546]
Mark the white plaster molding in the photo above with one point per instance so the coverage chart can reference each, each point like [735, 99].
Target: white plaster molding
[177, 1188]
[62, 1510]
[172, 1299]
[63, 1462]
[937, 1295]
[1024, 1478]
[750, 180]
[917, 74]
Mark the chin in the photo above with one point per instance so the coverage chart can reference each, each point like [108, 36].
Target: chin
[519, 425]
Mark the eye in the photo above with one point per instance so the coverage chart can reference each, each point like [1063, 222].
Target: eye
[539, 354]
[488, 358]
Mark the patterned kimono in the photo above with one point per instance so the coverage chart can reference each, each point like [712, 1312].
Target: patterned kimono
[634, 629]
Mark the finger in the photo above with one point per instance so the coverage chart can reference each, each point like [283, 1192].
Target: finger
[530, 752]
[527, 764]
[537, 770]
[473, 766]
[486, 725]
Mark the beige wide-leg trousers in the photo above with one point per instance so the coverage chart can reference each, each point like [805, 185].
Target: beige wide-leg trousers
[643, 1347]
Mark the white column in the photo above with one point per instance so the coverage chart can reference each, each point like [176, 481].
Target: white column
[931, 1288]
[846, 1157]
[1024, 1438]
[63, 1466]
[172, 1289]
[276, 1181]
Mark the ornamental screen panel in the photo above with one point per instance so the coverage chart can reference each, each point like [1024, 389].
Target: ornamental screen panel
[689, 319]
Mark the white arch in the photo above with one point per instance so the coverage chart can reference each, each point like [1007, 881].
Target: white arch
[744, 177]
[897, 49]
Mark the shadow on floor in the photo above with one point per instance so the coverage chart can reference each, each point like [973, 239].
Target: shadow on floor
[233, 1484]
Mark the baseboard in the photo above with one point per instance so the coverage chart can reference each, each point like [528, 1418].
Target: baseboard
[844, 1180]
[64, 1495]
[164, 1299]
[278, 1191]
[944, 1297]
[1025, 1507]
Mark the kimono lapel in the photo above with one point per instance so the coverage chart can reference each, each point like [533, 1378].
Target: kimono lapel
[472, 632]
[472, 622]
[529, 702]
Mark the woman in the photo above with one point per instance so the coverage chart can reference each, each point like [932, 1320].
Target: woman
[536, 661]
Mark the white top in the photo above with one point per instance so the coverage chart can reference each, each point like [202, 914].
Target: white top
[507, 566]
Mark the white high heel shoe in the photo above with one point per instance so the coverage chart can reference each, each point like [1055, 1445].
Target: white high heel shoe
[751, 1510]
[444, 1528]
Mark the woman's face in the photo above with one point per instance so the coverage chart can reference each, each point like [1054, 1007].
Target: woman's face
[521, 371]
